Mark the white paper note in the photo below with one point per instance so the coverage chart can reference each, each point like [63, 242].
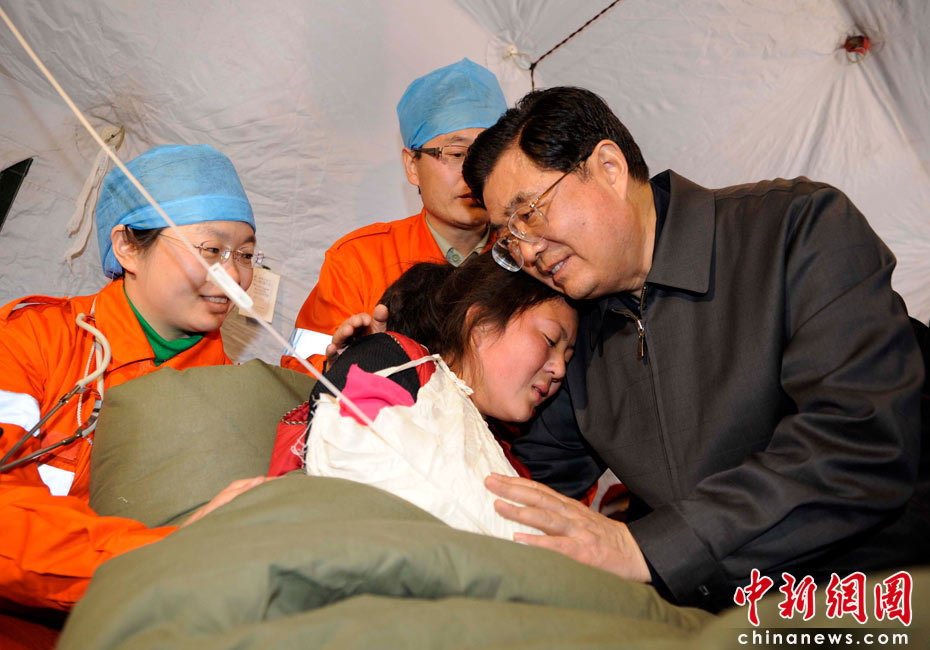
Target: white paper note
[264, 291]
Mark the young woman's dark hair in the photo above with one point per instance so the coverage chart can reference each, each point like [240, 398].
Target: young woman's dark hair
[432, 303]
[497, 296]
[411, 302]
[142, 239]
[556, 128]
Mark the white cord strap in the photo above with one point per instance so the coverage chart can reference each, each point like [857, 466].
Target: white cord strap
[82, 219]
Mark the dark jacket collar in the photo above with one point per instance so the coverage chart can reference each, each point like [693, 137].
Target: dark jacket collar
[683, 252]
[682, 257]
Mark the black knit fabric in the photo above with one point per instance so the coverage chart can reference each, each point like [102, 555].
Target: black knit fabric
[371, 353]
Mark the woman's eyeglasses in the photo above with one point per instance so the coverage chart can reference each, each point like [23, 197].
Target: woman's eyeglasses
[212, 253]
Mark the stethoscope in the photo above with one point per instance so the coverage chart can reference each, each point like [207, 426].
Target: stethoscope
[100, 352]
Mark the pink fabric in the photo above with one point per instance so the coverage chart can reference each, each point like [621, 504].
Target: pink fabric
[371, 393]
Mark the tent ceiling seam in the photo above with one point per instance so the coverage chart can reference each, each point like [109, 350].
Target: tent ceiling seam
[566, 40]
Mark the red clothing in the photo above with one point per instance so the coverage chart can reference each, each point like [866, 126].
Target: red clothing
[51, 545]
[355, 272]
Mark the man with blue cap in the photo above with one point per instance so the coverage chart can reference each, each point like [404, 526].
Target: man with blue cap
[158, 311]
[440, 115]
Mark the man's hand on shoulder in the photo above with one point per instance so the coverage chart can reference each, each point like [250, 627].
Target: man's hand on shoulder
[570, 527]
[355, 327]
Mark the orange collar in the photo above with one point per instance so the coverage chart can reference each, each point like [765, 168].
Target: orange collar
[128, 343]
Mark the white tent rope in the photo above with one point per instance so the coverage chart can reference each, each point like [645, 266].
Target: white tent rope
[82, 219]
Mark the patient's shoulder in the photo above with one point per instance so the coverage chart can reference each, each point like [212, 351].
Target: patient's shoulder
[373, 353]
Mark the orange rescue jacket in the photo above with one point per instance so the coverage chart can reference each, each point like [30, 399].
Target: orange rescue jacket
[51, 545]
[355, 272]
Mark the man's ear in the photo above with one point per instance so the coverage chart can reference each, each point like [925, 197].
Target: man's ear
[611, 165]
[410, 167]
[126, 254]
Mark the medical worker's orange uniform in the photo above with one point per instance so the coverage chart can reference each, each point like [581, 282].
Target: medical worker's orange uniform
[51, 545]
[355, 272]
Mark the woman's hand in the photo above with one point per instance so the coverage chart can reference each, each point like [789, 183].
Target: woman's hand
[226, 495]
[571, 528]
[354, 327]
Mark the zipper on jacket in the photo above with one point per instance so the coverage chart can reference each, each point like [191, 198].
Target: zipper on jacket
[639, 323]
[640, 327]
[672, 475]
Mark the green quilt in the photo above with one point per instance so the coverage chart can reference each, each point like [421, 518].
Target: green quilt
[314, 562]
[310, 562]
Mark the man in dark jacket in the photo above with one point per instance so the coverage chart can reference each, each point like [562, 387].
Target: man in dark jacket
[742, 363]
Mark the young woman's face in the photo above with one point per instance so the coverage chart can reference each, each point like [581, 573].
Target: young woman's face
[169, 287]
[518, 369]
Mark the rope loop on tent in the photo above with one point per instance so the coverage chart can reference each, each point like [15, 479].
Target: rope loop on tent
[520, 59]
[857, 47]
[566, 40]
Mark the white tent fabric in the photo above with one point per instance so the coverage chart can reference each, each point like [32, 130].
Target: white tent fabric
[301, 95]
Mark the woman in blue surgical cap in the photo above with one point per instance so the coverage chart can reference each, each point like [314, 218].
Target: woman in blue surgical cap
[159, 311]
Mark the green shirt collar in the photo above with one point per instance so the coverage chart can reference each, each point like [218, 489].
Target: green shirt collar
[163, 348]
[454, 257]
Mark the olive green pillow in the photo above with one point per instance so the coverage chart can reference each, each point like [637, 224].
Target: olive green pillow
[168, 442]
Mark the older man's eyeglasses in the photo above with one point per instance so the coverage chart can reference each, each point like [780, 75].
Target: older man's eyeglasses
[526, 223]
[247, 258]
[452, 155]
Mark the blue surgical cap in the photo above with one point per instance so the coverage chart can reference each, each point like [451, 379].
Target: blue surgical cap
[192, 183]
[459, 96]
